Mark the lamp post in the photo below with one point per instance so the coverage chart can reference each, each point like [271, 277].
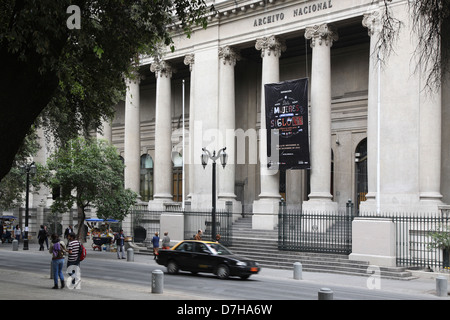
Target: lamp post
[223, 160]
[28, 168]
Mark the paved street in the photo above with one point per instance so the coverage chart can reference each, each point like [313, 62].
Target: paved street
[25, 275]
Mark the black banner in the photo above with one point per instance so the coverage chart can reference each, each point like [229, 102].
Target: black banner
[287, 122]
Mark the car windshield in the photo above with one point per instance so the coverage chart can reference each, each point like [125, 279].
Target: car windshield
[218, 249]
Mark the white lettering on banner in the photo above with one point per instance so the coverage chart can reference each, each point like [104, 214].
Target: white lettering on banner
[303, 10]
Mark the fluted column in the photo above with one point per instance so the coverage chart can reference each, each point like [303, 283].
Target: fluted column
[372, 22]
[106, 132]
[271, 48]
[132, 139]
[228, 58]
[189, 60]
[322, 37]
[163, 132]
[132, 142]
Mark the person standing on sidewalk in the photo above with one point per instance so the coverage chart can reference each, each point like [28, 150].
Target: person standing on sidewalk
[57, 250]
[155, 242]
[166, 241]
[74, 249]
[120, 242]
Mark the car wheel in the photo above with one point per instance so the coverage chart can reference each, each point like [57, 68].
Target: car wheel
[172, 267]
[223, 272]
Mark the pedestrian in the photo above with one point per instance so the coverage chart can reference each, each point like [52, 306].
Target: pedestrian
[217, 238]
[198, 236]
[68, 231]
[41, 236]
[46, 236]
[120, 242]
[17, 233]
[166, 241]
[155, 242]
[57, 250]
[74, 249]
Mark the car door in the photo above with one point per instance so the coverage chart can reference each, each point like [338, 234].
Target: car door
[183, 255]
[202, 260]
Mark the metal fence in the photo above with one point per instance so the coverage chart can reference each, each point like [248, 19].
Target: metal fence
[195, 220]
[416, 240]
[144, 223]
[315, 231]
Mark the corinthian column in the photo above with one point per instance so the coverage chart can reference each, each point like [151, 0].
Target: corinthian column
[271, 48]
[132, 138]
[132, 142]
[228, 58]
[189, 60]
[163, 132]
[372, 22]
[322, 37]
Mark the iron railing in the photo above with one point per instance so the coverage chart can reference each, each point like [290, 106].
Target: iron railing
[415, 240]
[315, 231]
[195, 220]
[144, 223]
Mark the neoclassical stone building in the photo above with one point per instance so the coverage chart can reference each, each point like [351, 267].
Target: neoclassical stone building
[375, 136]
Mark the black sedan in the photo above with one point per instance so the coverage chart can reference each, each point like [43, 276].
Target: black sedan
[205, 256]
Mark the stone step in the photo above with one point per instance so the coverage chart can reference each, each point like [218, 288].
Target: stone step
[262, 246]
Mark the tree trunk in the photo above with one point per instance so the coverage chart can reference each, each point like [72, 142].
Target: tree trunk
[81, 218]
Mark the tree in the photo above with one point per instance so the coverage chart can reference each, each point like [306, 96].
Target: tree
[69, 78]
[14, 183]
[89, 172]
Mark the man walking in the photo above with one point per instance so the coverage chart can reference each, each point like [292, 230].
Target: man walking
[120, 241]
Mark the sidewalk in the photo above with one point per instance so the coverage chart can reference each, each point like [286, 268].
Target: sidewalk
[27, 285]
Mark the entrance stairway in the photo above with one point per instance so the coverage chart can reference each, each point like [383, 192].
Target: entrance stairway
[262, 246]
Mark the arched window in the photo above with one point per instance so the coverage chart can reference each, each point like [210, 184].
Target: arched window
[361, 172]
[177, 181]
[146, 186]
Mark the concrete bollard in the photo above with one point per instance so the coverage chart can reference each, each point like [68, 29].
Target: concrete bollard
[325, 294]
[441, 286]
[297, 271]
[15, 245]
[157, 281]
[130, 254]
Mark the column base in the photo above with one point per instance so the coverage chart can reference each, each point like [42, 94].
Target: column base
[160, 202]
[320, 206]
[374, 241]
[265, 213]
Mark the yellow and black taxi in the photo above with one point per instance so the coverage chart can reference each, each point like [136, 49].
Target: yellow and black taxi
[204, 256]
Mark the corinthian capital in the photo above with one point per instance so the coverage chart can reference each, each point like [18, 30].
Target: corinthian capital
[322, 34]
[372, 21]
[189, 60]
[162, 68]
[228, 55]
[270, 45]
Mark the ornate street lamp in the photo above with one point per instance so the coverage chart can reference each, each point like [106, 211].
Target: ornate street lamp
[28, 169]
[223, 156]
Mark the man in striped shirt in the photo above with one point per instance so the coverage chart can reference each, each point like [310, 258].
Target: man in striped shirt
[74, 248]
